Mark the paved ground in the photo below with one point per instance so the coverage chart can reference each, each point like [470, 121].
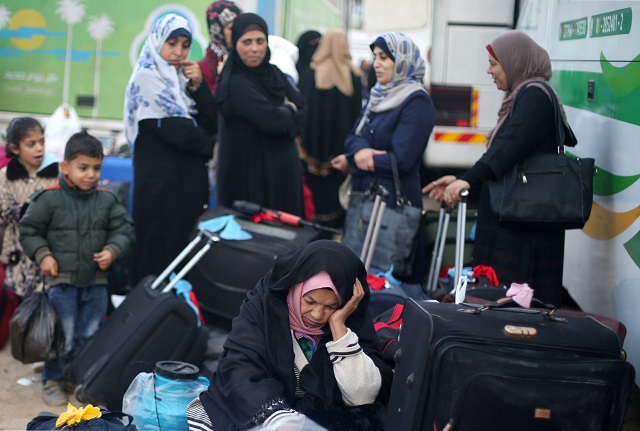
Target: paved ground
[19, 403]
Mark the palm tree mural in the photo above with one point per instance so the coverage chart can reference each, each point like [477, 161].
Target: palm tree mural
[5, 16]
[71, 12]
[100, 27]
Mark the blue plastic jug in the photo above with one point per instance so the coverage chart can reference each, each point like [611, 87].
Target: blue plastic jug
[158, 401]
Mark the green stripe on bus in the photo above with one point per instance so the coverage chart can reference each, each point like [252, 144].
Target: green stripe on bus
[614, 97]
[606, 183]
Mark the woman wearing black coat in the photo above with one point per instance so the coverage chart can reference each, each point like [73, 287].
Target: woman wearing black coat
[261, 113]
[398, 118]
[303, 346]
[333, 94]
[526, 126]
[169, 125]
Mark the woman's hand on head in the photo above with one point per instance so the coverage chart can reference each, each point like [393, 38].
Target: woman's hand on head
[436, 188]
[339, 317]
[364, 159]
[192, 71]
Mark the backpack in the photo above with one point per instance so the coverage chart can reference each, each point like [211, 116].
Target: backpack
[387, 326]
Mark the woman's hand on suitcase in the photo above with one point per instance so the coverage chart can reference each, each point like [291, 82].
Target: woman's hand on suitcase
[436, 188]
[339, 317]
[452, 192]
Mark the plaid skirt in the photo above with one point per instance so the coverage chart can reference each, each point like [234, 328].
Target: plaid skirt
[535, 257]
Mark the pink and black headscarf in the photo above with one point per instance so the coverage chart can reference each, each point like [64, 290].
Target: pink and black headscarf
[219, 14]
[321, 280]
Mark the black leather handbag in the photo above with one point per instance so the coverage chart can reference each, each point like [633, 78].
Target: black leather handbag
[545, 191]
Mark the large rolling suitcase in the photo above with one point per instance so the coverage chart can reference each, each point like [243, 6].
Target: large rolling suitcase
[464, 367]
[222, 279]
[152, 324]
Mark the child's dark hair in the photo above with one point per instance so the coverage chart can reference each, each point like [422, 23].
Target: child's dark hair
[18, 127]
[83, 144]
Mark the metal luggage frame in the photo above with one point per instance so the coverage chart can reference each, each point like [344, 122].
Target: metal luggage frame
[444, 218]
[373, 230]
[202, 234]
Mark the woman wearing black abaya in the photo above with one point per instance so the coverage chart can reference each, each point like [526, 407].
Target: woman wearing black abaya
[333, 92]
[521, 68]
[307, 45]
[169, 124]
[303, 344]
[260, 115]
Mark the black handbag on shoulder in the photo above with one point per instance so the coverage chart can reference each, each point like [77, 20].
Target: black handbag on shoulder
[545, 191]
[397, 237]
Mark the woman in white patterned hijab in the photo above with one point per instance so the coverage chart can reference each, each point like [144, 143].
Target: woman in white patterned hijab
[170, 122]
[158, 88]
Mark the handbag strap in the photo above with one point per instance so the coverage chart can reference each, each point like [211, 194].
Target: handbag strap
[556, 114]
[401, 199]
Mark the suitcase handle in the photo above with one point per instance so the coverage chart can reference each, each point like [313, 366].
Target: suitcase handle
[439, 243]
[510, 303]
[211, 239]
[460, 231]
[546, 310]
[371, 237]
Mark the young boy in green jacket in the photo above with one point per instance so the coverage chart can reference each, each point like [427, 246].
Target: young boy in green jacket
[75, 231]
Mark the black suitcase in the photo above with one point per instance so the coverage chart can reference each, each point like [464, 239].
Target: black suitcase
[151, 324]
[462, 369]
[222, 279]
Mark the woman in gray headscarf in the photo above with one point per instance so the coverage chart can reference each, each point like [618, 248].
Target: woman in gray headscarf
[526, 126]
[398, 118]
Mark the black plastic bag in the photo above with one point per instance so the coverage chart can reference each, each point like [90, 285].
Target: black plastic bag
[36, 334]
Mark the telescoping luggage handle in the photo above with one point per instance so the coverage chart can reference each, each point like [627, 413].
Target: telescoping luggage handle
[373, 230]
[460, 233]
[444, 218]
[211, 240]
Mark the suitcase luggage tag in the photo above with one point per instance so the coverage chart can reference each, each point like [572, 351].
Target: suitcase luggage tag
[460, 290]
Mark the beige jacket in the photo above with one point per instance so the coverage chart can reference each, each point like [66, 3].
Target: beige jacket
[15, 188]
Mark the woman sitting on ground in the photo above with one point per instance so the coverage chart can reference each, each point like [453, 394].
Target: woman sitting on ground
[303, 344]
